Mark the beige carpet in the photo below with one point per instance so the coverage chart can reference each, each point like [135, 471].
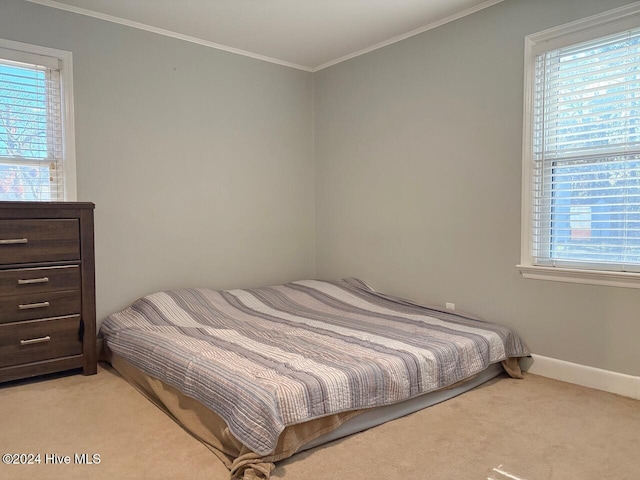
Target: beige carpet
[531, 429]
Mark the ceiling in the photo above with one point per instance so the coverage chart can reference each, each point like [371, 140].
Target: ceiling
[305, 34]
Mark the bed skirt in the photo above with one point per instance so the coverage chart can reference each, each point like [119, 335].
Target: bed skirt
[210, 429]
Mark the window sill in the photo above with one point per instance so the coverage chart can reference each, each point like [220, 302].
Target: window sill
[590, 277]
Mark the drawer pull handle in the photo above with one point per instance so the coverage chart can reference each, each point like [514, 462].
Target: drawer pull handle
[31, 341]
[14, 241]
[29, 281]
[29, 306]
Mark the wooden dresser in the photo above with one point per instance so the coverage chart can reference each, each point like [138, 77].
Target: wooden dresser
[47, 289]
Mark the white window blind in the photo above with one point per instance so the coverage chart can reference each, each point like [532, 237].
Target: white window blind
[31, 127]
[586, 155]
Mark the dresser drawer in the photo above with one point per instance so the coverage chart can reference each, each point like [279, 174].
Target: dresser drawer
[36, 280]
[39, 305]
[37, 340]
[27, 241]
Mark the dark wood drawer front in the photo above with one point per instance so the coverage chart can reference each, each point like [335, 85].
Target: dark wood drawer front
[37, 280]
[31, 241]
[39, 340]
[39, 305]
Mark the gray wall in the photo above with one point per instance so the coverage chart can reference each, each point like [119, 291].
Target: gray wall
[201, 165]
[200, 162]
[418, 183]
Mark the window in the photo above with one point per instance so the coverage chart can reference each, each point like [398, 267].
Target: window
[581, 160]
[37, 159]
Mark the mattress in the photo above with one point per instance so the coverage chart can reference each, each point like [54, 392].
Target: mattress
[271, 358]
[210, 429]
[377, 416]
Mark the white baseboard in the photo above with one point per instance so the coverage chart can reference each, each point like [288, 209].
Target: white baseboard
[620, 383]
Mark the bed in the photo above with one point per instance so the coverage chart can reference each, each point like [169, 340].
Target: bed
[260, 374]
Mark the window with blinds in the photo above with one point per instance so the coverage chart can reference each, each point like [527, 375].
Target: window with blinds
[32, 130]
[585, 155]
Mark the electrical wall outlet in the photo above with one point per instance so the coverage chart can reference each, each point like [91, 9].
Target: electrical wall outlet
[450, 306]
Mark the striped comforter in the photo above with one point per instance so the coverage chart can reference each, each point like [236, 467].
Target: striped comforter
[271, 357]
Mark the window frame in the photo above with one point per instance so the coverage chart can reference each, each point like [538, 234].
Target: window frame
[597, 26]
[66, 94]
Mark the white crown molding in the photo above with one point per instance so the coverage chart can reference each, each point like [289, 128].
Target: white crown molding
[167, 33]
[217, 46]
[613, 382]
[412, 33]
